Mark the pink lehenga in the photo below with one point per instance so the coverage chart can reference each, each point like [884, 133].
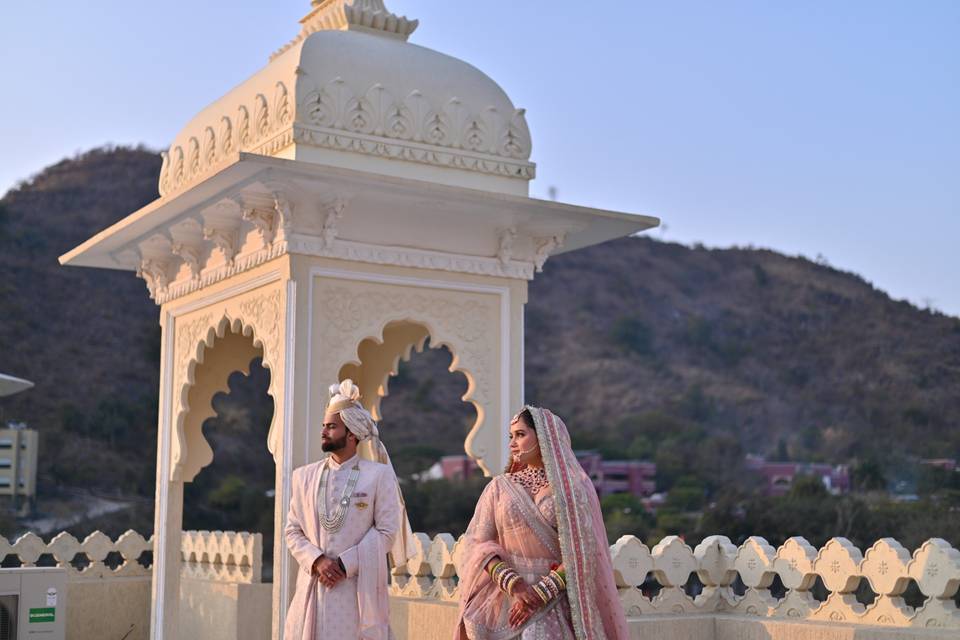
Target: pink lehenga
[561, 524]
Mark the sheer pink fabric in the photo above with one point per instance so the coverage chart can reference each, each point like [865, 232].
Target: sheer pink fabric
[562, 524]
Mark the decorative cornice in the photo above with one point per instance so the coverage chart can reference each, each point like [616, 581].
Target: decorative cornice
[341, 249]
[417, 258]
[240, 264]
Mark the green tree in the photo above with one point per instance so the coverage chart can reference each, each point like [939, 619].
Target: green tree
[633, 334]
[624, 514]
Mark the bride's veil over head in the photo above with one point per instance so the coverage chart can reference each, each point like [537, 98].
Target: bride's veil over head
[594, 601]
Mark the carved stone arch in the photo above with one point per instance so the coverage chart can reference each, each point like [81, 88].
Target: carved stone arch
[464, 322]
[380, 357]
[249, 327]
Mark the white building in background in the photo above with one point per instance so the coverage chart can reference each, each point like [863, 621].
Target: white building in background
[18, 461]
[18, 448]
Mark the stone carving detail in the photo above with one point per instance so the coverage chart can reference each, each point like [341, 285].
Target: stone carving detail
[261, 117]
[209, 147]
[385, 125]
[225, 240]
[545, 247]
[505, 249]
[156, 274]
[193, 159]
[332, 211]
[281, 106]
[283, 216]
[226, 136]
[191, 255]
[262, 222]
[219, 143]
[264, 312]
[243, 117]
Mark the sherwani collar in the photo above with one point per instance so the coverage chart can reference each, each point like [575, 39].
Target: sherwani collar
[335, 466]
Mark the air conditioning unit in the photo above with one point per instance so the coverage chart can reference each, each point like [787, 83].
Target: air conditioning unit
[33, 603]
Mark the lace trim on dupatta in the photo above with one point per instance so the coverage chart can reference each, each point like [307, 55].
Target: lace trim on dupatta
[577, 543]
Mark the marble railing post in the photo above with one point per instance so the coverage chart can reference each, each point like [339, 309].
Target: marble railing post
[715, 557]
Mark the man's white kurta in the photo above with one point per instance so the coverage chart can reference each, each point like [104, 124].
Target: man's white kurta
[358, 606]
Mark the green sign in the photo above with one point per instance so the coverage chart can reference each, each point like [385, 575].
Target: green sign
[42, 615]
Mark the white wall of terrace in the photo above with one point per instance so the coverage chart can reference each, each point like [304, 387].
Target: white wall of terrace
[752, 591]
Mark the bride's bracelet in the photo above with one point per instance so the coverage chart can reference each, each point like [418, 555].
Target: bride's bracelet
[550, 586]
[504, 576]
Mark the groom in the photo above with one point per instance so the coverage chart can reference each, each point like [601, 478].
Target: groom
[346, 514]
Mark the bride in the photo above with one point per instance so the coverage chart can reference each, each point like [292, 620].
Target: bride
[538, 564]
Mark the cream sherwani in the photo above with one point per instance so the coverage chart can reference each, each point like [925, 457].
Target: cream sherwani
[358, 606]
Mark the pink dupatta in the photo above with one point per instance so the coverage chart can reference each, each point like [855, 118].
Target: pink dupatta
[594, 602]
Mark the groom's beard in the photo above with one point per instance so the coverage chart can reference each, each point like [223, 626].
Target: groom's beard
[334, 445]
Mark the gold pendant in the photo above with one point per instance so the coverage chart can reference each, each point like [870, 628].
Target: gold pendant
[361, 505]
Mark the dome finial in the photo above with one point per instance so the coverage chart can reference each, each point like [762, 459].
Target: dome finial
[357, 15]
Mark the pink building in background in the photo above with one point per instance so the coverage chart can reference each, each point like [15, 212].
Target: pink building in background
[636, 477]
[779, 476]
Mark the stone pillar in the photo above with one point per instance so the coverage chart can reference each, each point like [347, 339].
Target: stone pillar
[168, 513]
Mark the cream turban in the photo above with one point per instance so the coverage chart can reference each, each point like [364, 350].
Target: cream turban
[345, 400]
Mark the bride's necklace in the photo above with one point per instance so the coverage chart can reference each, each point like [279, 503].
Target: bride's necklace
[533, 479]
[334, 523]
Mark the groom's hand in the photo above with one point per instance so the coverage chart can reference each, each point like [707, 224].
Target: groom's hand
[328, 571]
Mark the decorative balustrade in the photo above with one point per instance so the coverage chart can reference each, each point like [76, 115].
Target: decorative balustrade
[753, 579]
[222, 556]
[793, 582]
[97, 557]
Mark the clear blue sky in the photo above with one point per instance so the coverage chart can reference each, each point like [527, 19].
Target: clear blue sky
[828, 128]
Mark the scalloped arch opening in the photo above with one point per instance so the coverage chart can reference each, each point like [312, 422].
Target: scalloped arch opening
[384, 360]
[227, 348]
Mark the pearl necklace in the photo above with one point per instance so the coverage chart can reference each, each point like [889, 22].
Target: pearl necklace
[335, 522]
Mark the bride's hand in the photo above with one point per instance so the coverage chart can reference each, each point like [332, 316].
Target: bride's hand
[519, 613]
[525, 594]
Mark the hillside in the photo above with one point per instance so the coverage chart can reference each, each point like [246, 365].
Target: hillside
[686, 355]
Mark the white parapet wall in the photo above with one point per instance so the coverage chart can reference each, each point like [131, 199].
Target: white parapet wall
[746, 592]
[102, 602]
[221, 593]
[748, 604]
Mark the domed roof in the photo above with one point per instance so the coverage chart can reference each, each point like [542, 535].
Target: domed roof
[349, 91]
